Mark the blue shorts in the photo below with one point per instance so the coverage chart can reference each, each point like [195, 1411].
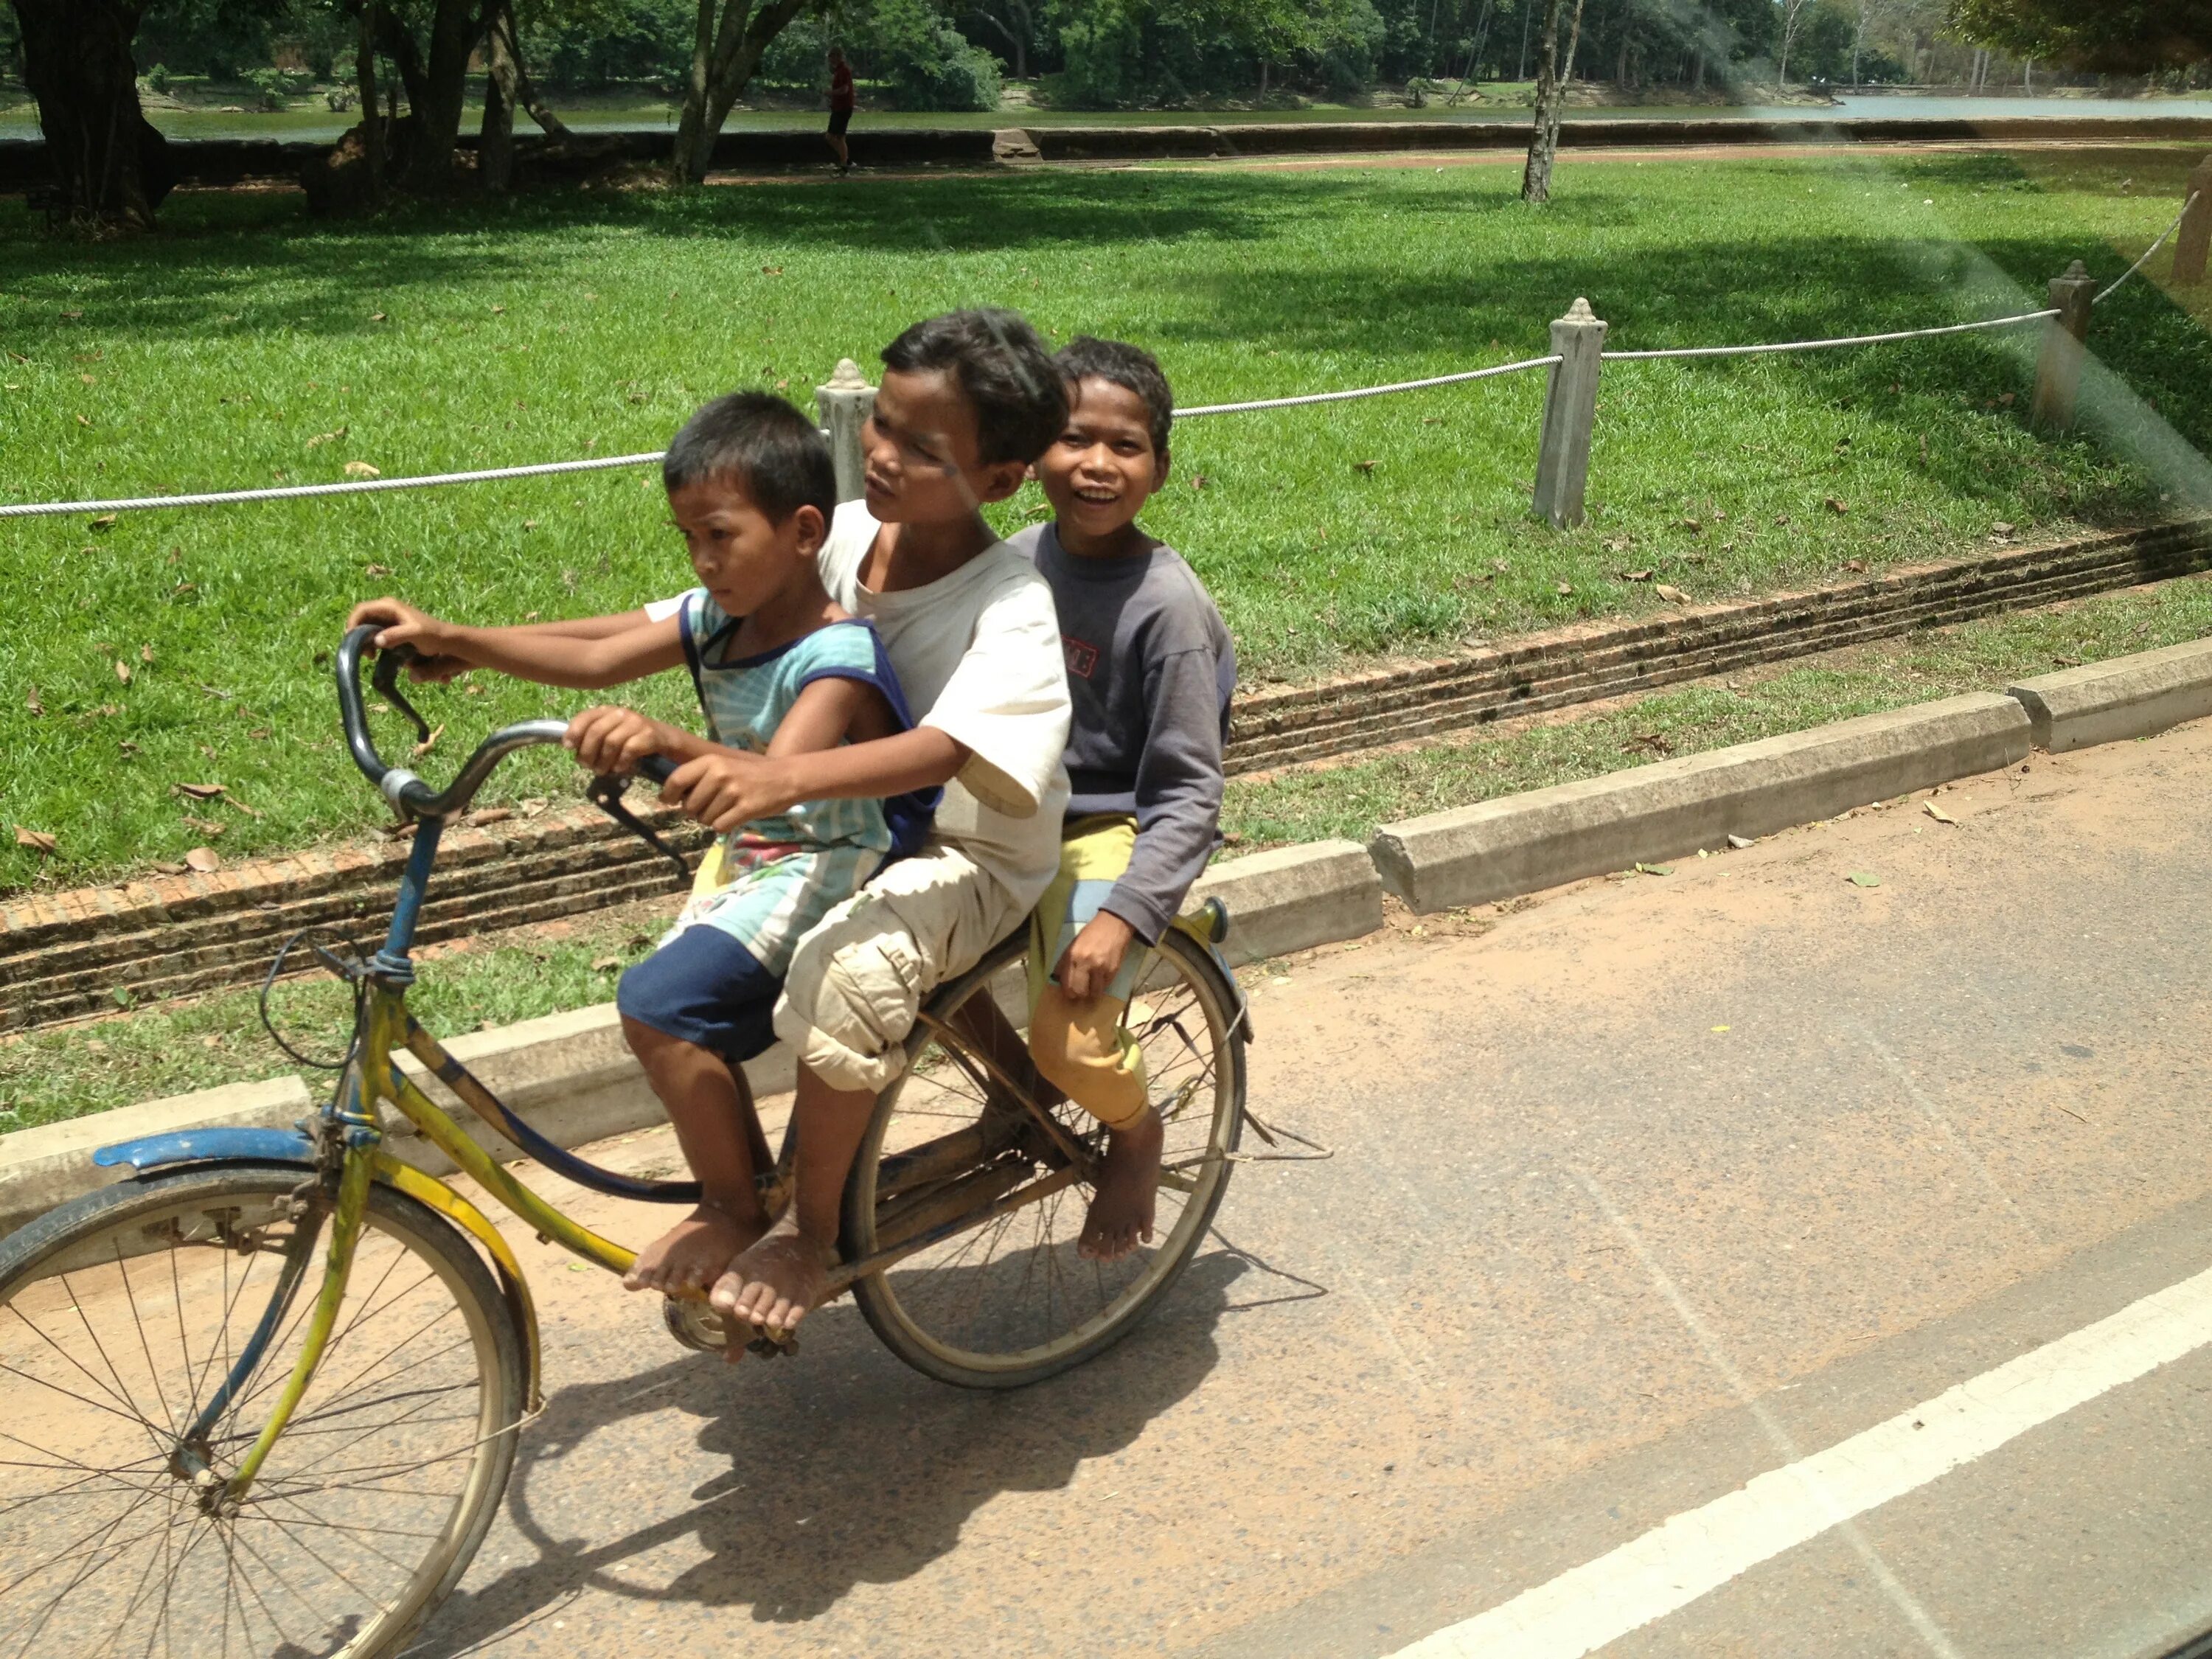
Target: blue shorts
[704, 988]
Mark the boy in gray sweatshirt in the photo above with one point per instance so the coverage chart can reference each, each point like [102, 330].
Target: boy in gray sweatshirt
[1149, 670]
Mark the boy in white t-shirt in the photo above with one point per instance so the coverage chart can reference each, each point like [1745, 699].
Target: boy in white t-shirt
[968, 400]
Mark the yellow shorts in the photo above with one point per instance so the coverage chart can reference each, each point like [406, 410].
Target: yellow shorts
[1082, 1047]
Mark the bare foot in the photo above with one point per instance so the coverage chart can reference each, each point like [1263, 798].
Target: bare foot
[1128, 1181]
[773, 1284]
[689, 1256]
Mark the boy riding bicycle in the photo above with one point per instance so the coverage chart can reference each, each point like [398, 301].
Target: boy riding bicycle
[780, 669]
[1149, 670]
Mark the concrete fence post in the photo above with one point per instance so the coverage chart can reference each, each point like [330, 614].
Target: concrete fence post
[1570, 412]
[846, 402]
[2058, 364]
[2196, 232]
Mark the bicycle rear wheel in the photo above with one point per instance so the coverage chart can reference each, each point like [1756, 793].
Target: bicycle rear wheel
[999, 1297]
[121, 1317]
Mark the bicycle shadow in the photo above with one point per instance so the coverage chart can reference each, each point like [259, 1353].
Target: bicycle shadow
[844, 1467]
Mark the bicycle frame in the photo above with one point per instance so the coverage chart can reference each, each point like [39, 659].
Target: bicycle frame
[350, 1140]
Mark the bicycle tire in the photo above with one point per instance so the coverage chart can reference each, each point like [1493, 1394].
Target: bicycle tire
[941, 1090]
[80, 1271]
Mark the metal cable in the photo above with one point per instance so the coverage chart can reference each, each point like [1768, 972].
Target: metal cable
[2147, 251]
[1366, 390]
[296, 492]
[1816, 346]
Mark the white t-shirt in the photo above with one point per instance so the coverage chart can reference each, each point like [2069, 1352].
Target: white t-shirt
[978, 656]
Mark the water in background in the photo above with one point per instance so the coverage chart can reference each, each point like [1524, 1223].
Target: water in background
[311, 125]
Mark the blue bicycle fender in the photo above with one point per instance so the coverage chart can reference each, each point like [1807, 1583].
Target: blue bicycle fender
[232, 1146]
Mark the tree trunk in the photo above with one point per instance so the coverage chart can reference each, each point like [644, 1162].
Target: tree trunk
[1528, 11]
[526, 93]
[456, 26]
[495, 141]
[723, 58]
[111, 165]
[374, 137]
[1544, 141]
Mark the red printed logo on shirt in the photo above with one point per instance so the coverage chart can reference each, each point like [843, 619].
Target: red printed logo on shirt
[1081, 659]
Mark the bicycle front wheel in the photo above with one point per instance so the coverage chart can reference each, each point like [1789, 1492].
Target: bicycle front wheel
[998, 1295]
[128, 1330]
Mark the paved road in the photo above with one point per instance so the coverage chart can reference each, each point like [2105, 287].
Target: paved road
[1642, 1191]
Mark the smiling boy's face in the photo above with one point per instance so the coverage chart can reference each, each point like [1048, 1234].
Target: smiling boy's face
[923, 453]
[1101, 468]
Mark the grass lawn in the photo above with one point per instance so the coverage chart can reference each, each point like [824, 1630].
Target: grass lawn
[51, 1075]
[247, 346]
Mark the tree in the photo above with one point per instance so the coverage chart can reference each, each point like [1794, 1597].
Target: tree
[1793, 17]
[1551, 94]
[725, 49]
[2111, 37]
[111, 166]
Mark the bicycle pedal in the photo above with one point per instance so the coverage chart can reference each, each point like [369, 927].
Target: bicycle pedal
[696, 1325]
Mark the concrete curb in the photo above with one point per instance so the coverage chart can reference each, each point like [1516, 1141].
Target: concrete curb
[2127, 697]
[1521, 843]
[571, 1076]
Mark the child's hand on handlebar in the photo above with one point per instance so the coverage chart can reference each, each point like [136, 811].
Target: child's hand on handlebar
[403, 625]
[611, 739]
[723, 788]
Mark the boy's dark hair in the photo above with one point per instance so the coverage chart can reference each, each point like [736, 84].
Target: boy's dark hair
[1003, 371]
[764, 445]
[1133, 368]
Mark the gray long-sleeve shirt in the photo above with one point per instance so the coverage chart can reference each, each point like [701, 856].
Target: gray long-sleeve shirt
[1150, 670]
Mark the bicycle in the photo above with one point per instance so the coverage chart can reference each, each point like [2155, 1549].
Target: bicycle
[199, 1450]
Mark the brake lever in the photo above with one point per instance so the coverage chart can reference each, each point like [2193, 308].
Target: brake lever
[605, 792]
[390, 660]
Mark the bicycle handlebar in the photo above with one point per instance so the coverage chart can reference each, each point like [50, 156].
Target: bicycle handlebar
[405, 789]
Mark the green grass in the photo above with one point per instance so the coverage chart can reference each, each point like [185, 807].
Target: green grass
[48, 1076]
[221, 351]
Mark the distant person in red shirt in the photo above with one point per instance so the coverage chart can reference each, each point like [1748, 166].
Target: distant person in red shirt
[841, 107]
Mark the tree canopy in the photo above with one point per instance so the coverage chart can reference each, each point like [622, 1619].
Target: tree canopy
[2111, 37]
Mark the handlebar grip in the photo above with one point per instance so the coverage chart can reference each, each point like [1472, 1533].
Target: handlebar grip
[656, 770]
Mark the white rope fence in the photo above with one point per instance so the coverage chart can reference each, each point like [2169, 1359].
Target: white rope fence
[1552, 359]
[1366, 390]
[1822, 345]
[2143, 258]
[298, 492]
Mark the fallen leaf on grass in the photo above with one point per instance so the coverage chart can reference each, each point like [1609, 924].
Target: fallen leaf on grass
[1672, 595]
[162, 868]
[1835, 504]
[1692, 525]
[207, 826]
[72, 316]
[1565, 588]
[37, 840]
[32, 703]
[489, 815]
[2000, 528]
[1199, 481]
[146, 655]
[1859, 879]
[198, 791]
[105, 521]
[322, 438]
[123, 671]
[499, 311]
[376, 570]
[80, 421]
[375, 316]
[1782, 518]
[1939, 814]
[205, 859]
[430, 742]
[606, 964]
[1365, 466]
[19, 357]
[1634, 576]
[1855, 564]
[361, 469]
[771, 270]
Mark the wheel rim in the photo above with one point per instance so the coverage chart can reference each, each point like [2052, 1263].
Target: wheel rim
[114, 1342]
[1012, 1294]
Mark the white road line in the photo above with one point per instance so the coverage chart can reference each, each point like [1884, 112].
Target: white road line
[1702, 1549]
